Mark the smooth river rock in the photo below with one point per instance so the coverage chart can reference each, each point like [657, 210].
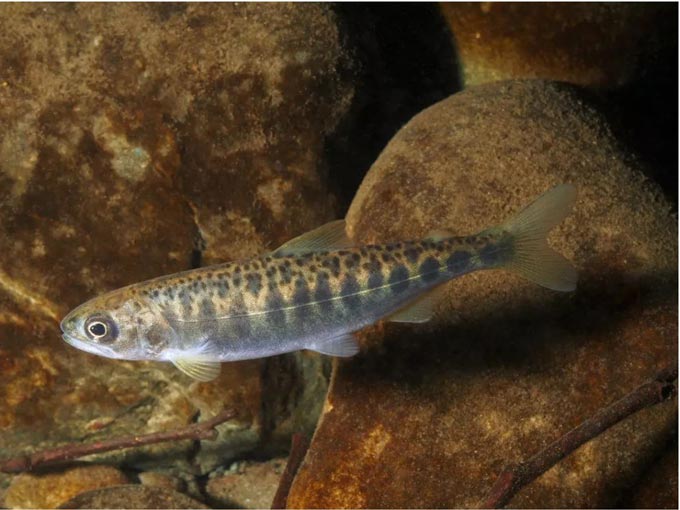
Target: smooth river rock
[427, 416]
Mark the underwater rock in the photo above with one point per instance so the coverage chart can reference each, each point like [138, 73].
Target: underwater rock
[591, 44]
[428, 415]
[139, 140]
[54, 488]
[162, 480]
[659, 486]
[133, 496]
[251, 485]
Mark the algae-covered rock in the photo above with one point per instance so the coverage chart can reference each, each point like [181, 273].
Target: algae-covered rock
[139, 140]
[428, 415]
[52, 489]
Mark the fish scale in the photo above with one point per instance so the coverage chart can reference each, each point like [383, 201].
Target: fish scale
[311, 293]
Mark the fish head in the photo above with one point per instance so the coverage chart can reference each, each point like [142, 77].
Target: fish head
[119, 325]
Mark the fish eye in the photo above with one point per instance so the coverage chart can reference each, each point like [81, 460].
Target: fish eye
[101, 329]
[97, 329]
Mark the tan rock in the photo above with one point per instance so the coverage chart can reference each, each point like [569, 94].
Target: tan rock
[50, 490]
[252, 485]
[133, 496]
[428, 415]
[163, 480]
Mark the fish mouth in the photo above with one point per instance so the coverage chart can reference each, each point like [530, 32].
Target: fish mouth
[87, 346]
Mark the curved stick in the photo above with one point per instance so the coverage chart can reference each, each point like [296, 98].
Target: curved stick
[202, 430]
[660, 388]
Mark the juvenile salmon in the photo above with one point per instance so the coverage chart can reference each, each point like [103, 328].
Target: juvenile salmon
[311, 293]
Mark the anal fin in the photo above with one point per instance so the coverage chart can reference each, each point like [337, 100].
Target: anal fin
[199, 369]
[342, 346]
[421, 310]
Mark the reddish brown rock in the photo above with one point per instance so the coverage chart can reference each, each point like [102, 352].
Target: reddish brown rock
[133, 496]
[133, 140]
[659, 486]
[591, 44]
[250, 485]
[428, 415]
[162, 480]
[52, 489]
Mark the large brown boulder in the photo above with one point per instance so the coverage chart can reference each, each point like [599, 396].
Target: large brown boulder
[428, 415]
[138, 140]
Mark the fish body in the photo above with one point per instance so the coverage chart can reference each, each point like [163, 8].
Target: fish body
[311, 293]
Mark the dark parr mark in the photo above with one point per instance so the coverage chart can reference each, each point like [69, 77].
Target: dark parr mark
[412, 254]
[254, 283]
[399, 279]
[240, 325]
[301, 294]
[186, 301]
[489, 254]
[458, 261]
[429, 270]
[322, 292]
[207, 309]
[349, 291]
[375, 280]
[275, 306]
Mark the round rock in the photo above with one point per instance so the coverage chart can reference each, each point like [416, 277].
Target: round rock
[133, 496]
[52, 489]
[428, 415]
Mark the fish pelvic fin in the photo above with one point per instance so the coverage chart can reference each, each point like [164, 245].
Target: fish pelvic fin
[201, 370]
[531, 257]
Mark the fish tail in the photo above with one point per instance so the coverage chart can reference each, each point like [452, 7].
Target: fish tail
[531, 256]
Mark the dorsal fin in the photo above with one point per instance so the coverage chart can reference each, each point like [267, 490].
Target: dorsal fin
[330, 236]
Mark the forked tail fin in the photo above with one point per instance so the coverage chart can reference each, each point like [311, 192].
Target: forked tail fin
[532, 257]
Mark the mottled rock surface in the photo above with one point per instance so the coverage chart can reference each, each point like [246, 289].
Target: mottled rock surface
[162, 480]
[133, 496]
[247, 485]
[52, 489]
[138, 140]
[427, 415]
[658, 488]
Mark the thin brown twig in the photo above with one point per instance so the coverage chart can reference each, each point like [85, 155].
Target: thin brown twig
[298, 450]
[202, 430]
[660, 388]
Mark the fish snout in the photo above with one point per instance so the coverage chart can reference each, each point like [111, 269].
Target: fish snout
[69, 324]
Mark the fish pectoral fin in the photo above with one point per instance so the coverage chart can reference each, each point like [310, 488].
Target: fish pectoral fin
[199, 369]
[342, 346]
[330, 236]
[421, 310]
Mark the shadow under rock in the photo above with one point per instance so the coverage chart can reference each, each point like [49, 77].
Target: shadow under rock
[402, 60]
[528, 336]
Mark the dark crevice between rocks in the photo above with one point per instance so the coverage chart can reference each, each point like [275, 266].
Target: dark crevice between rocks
[643, 113]
[402, 59]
